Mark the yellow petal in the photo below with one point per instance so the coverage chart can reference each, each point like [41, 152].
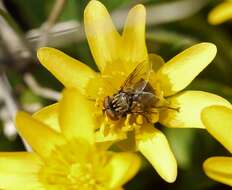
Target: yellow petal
[70, 72]
[76, 116]
[218, 121]
[156, 61]
[128, 144]
[134, 45]
[18, 170]
[154, 146]
[122, 167]
[221, 13]
[177, 73]
[104, 145]
[41, 138]
[100, 87]
[111, 136]
[49, 116]
[103, 39]
[189, 105]
[219, 169]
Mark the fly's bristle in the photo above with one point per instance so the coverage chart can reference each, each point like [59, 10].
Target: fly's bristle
[115, 105]
[118, 109]
[114, 100]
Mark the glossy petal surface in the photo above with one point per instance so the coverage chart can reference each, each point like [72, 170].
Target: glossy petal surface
[153, 144]
[123, 167]
[49, 116]
[179, 72]
[189, 105]
[18, 171]
[218, 121]
[40, 137]
[219, 169]
[103, 38]
[69, 71]
[134, 45]
[221, 13]
[76, 116]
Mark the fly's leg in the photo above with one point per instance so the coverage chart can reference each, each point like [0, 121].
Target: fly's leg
[143, 113]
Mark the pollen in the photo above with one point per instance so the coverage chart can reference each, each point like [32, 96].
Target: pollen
[139, 119]
[75, 169]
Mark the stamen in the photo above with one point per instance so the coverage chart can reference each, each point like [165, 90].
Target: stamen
[139, 120]
[82, 171]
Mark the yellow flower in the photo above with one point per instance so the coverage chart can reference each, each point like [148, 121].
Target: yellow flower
[68, 160]
[221, 13]
[116, 57]
[218, 121]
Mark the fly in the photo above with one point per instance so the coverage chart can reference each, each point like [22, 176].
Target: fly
[136, 95]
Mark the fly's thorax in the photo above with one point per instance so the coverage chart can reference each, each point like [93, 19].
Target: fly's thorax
[121, 102]
[117, 106]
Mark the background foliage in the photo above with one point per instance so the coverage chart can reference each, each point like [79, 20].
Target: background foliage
[164, 37]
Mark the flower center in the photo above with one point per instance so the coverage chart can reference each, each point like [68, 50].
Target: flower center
[84, 176]
[125, 111]
[140, 109]
[72, 168]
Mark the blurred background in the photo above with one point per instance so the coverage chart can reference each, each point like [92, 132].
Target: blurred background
[172, 26]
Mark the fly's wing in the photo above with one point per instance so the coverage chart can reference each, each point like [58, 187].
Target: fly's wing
[138, 78]
[143, 102]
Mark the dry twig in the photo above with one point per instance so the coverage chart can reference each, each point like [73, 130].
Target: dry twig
[52, 19]
[39, 90]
